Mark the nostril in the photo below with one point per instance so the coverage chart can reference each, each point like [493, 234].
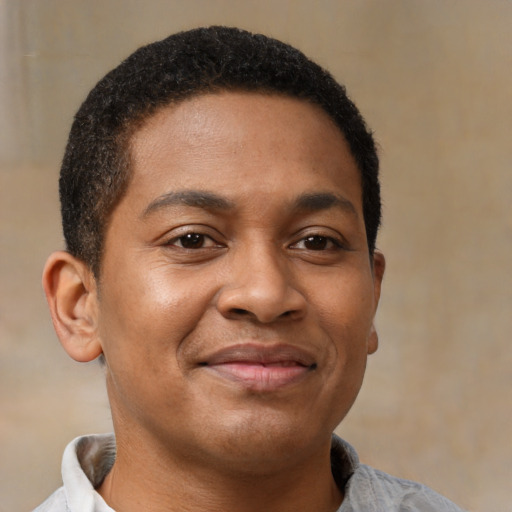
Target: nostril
[239, 311]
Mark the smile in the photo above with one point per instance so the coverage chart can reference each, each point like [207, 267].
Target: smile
[261, 368]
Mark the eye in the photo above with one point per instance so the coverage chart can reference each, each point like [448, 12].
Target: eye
[317, 243]
[193, 241]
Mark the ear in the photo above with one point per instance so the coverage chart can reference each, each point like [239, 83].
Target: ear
[373, 341]
[379, 266]
[71, 292]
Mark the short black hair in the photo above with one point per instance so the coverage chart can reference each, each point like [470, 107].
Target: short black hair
[95, 170]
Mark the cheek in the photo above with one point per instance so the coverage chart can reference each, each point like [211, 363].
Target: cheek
[147, 313]
[344, 303]
[345, 310]
[143, 322]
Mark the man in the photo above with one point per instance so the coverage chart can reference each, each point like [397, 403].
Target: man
[220, 204]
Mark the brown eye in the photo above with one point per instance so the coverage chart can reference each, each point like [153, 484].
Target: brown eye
[319, 243]
[316, 243]
[191, 241]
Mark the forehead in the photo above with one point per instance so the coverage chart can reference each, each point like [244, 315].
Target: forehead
[236, 121]
[245, 142]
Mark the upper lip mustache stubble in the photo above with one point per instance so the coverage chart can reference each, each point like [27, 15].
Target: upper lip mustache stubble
[261, 354]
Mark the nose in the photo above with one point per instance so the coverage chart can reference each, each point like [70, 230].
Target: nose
[260, 287]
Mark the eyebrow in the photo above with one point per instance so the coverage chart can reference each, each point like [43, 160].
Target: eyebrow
[319, 201]
[194, 198]
[309, 202]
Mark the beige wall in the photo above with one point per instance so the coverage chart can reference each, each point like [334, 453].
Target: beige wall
[434, 79]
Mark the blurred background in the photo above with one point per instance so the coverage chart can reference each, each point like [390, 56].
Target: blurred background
[434, 80]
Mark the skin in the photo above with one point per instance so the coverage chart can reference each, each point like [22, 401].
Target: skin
[235, 307]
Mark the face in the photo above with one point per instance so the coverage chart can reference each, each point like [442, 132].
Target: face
[237, 294]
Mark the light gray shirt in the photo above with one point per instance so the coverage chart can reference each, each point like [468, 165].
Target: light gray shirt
[87, 460]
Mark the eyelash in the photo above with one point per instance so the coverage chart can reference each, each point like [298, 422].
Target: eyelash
[191, 234]
[334, 243]
[327, 243]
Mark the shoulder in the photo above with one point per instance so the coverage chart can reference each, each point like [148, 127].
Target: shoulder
[85, 463]
[375, 490]
[370, 490]
[55, 503]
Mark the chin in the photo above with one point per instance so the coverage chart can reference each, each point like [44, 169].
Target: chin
[270, 443]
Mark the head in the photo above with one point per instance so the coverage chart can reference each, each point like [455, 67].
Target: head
[96, 168]
[220, 203]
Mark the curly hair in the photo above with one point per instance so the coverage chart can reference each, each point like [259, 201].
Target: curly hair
[95, 170]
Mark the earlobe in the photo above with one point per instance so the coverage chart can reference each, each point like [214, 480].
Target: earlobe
[379, 266]
[373, 341]
[71, 293]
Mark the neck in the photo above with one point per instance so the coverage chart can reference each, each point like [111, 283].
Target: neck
[161, 481]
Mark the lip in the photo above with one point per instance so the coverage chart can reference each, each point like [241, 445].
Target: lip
[261, 368]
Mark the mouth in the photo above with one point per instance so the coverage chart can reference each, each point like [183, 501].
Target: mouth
[261, 368]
